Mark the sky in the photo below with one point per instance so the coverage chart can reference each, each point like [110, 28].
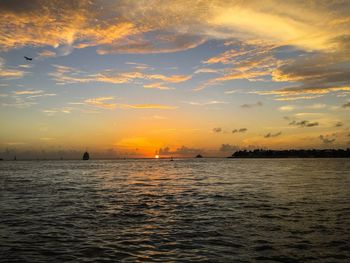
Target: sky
[172, 78]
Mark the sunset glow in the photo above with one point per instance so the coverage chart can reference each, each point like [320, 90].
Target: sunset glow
[176, 78]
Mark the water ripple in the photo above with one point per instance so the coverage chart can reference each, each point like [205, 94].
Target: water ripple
[207, 210]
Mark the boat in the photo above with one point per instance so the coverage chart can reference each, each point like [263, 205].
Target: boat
[86, 156]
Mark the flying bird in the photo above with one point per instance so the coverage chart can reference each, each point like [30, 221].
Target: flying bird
[28, 58]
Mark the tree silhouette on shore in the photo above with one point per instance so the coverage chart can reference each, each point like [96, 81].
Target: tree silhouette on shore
[312, 153]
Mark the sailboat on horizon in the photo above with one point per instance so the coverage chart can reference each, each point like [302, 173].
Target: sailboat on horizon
[86, 156]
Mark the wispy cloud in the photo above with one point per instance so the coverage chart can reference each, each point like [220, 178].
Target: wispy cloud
[287, 108]
[346, 105]
[303, 90]
[207, 70]
[327, 139]
[304, 123]
[240, 130]
[27, 92]
[101, 102]
[272, 135]
[47, 54]
[339, 124]
[24, 98]
[316, 106]
[183, 151]
[311, 97]
[157, 85]
[247, 106]
[205, 103]
[69, 75]
[9, 73]
[147, 106]
[228, 148]
[109, 104]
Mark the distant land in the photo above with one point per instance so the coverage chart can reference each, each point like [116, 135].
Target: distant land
[313, 153]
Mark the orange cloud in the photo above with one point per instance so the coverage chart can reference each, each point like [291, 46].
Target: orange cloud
[156, 86]
[104, 102]
[101, 102]
[132, 26]
[64, 74]
[147, 106]
[302, 90]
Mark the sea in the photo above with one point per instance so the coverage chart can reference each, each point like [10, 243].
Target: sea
[187, 210]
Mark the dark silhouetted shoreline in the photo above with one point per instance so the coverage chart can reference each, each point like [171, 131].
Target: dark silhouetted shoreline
[313, 153]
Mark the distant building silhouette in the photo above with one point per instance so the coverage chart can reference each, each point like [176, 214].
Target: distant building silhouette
[199, 156]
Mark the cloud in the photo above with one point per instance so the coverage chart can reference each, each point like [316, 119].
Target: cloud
[316, 106]
[217, 130]
[298, 90]
[69, 75]
[24, 98]
[19, 103]
[247, 106]
[158, 26]
[296, 98]
[272, 135]
[304, 123]
[241, 130]
[228, 57]
[104, 102]
[47, 54]
[346, 105]
[231, 91]
[68, 110]
[339, 124]
[157, 85]
[164, 44]
[183, 150]
[314, 69]
[228, 148]
[147, 106]
[28, 92]
[287, 108]
[212, 102]
[9, 73]
[100, 102]
[315, 74]
[253, 62]
[207, 70]
[58, 24]
[327, 139]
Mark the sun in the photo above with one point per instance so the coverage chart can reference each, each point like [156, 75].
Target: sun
[157, 156]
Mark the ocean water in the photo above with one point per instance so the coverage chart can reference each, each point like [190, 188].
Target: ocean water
[190, 210]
